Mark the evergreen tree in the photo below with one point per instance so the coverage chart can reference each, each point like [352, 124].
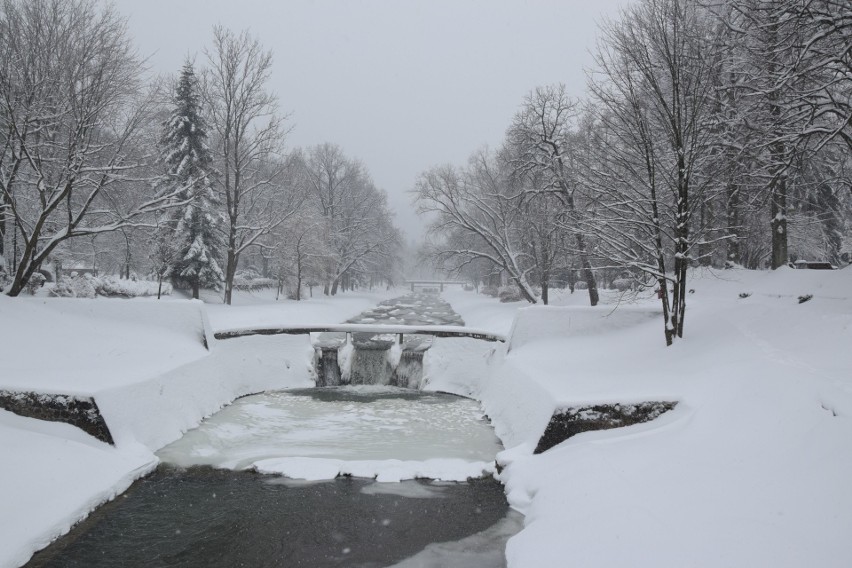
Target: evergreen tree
[194, 223]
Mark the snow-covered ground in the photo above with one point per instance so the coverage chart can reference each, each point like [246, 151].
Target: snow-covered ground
[751, 469]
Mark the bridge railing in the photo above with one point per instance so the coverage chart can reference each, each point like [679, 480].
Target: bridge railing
[433, 283]
[378, 329]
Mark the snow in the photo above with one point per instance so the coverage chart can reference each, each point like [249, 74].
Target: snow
[144, 362]
[95, 343]
[39, 458]
[750, 469]
[258, 309]
[392, 470]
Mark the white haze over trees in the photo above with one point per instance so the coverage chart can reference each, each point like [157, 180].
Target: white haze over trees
[713, 133]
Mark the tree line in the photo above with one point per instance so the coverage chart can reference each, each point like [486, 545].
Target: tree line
[186, 180]
[713, 133]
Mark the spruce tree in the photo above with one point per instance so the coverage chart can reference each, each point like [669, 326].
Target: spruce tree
[194, 223]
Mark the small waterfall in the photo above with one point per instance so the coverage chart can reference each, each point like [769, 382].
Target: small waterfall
[370, 366]
[409, 372]
[328, 369]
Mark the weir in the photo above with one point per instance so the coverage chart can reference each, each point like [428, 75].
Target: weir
[371, 359]
[377, 354]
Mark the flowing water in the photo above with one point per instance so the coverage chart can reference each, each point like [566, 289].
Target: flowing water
[203, 517]
[371, 358]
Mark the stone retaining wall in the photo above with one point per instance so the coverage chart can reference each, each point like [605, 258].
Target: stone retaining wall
[81, 412]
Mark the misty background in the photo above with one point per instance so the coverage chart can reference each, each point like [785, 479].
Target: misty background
[399, 85]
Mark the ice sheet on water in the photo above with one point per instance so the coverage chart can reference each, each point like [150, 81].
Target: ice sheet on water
[370, 431]
[411, 490]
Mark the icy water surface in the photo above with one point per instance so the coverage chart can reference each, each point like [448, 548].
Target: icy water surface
[203, 516]
[341, 423]
[207, 505]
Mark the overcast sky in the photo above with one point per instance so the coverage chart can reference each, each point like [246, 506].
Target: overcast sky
[401, 85]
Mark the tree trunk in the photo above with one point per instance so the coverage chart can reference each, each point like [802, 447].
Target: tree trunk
[778, 223]
[195, 288]
[732, 245]
[298, 276]
[231, 263]
[586, 269]
[668, 328]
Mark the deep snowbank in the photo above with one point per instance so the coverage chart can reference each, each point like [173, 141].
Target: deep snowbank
[79, 346]
[752, 467]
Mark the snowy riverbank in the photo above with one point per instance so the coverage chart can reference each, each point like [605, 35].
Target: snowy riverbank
[750, 469]
[145, 364]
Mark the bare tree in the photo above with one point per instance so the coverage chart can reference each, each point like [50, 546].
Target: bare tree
[480, 210]
[655, 65]
[358, 223]
[248, 132]
[540, 138]
[69, 115]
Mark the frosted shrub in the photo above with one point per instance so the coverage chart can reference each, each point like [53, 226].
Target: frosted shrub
[87, 286]
[75, 287]
[622, 284]
[111, 286]
[581, 285]
[492, 291]
[509, 294]
[242, 283]
[36, 282]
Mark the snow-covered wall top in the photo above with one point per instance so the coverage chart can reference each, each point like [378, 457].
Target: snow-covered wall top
[78, 346]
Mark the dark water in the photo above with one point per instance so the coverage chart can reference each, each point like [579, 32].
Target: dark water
[207, 517]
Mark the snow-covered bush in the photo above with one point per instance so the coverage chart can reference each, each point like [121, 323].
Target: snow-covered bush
[248, 274]
[111, 286]
[509, 294]
[622, 284]
[241, 283]
[581, 285]
[88, 286]
[75, 287]
[36, 281]
[492, 291]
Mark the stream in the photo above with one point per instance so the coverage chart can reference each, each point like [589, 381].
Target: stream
[362, 476]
